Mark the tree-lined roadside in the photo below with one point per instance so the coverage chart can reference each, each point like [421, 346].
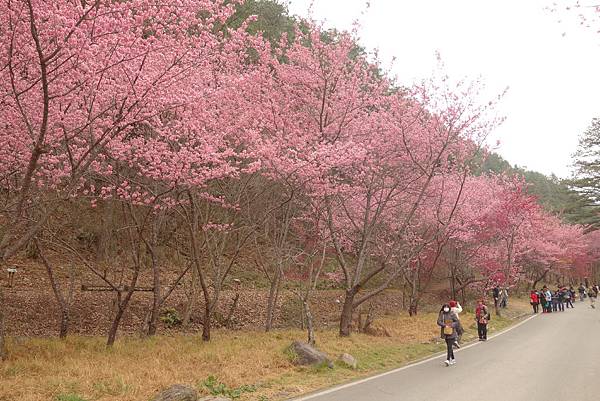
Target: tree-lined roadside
[137, 369]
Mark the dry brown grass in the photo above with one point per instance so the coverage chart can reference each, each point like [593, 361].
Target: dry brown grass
[135, 369]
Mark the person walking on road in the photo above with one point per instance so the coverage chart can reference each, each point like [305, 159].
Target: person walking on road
[457, 309]
[555, 298]
[448, 322]
[504, 298]
[482, 316]
[581, 292]
[571, 297]
[560, 292]
[534, 301]
[592, 297]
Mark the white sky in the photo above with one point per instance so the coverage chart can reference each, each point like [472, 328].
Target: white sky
[553, 80]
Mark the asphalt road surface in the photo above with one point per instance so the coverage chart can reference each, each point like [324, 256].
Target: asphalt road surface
[550, 357]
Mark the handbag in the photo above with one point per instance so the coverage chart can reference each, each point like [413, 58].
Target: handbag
[448, 330]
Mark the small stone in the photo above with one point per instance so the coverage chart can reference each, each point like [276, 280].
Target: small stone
[348, 360]
[177, 392]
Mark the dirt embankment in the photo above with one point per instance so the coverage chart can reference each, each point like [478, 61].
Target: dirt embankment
[33, 311]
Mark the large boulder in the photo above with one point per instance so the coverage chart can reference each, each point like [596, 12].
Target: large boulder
[305, 354]
[348, 360]
[177, 392]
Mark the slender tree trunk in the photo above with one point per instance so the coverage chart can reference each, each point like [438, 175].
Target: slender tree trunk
[64, 323]
[191, 301]
[414, 294]
[114, 327]
[156, 298]
[452, 282]
[232, 309]
[112, 333]
[3, 350]
[413, 308]
[121, 307]
[347, 312]
[273, 299]
[309, 322]
[207, 320]
[60, 299]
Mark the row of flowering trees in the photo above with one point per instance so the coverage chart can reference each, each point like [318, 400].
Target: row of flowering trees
[202, 141]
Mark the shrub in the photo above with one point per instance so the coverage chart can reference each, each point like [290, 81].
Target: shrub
[216, 388]
[170, 318]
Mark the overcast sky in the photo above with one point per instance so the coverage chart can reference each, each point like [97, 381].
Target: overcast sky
[553, 80]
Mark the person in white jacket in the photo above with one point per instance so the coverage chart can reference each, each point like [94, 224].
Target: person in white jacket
[457, 309]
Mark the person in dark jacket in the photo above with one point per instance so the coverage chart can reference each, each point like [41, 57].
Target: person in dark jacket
[448, 322]
[482, 317]
[548, 298]
[581, 292]
[560, 292]
[555, 299]
[496, 295]
[572, 295]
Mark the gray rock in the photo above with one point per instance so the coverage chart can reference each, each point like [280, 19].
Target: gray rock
[177, 392]
[348, 360]
[305, 354]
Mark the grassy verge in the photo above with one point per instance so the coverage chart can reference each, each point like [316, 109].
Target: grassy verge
[247, 365]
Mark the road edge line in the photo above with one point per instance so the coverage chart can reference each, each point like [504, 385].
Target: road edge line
[411, 365]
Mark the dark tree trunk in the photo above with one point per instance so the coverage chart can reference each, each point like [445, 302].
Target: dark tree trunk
[121, 307]
[64, 324]
[413, 307]
[112, 334]
[60, 299]
[347, 311]
[206, 322]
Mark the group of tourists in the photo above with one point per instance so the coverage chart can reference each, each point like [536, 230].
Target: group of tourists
[451, 329]
[562, 298]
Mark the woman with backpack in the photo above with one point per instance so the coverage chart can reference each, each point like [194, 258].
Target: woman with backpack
[482, 316]
[448, 322]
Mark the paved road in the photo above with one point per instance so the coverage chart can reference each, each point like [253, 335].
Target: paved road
[551, 357]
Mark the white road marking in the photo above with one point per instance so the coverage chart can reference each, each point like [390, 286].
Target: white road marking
[412, 365]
